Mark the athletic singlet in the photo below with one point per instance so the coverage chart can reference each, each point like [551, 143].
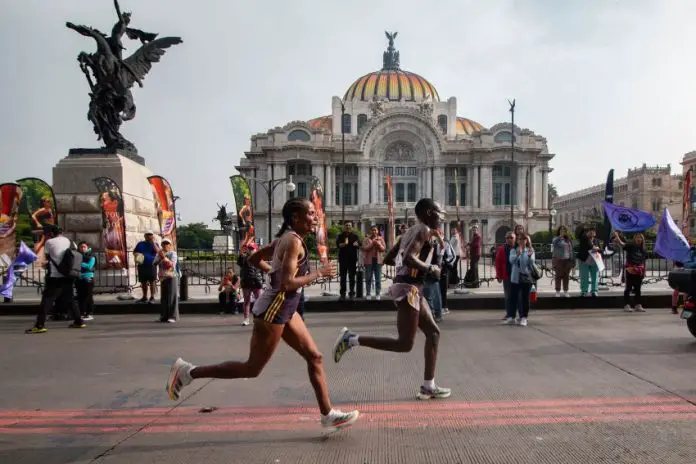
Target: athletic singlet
[274, 306]
[408, 275]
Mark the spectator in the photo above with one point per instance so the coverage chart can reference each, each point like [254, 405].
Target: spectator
[85, 284]
[634, 269]
[588, 246]
[474, 249]
[521, 280]
[348, 245]
[59, 287]
[251, 279]
[448, 260]
[227, 292]
[166, 261]
[456, 243]
[373, 247]
[145, 253]
[503, 270]
[562, 260]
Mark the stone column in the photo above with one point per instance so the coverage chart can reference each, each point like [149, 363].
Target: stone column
[439, 185]
[545, 189]
[363, 185]
[474, 188]
[374, 199]
[280, 194]
[486, 187]
[533, 198]
[521, 185]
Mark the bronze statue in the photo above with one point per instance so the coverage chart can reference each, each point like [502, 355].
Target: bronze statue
[110, 77]
[224, 219]
[390, 58]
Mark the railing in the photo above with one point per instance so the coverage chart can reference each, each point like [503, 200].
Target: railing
[205, 268]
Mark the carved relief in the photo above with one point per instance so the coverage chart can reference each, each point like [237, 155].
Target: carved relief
[400, 151]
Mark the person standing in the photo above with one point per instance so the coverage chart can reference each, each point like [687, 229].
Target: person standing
[474, 248]
[634, 269]
[348, 244]
[166, 261]
[521, 281]
[227, 292]
[562, 260]
[147, 274]
[251, 279]
[448, 260]
[456, 243]
[503, 271]
[373, 247]
[58, 288]
[85, 284]
[588, 245]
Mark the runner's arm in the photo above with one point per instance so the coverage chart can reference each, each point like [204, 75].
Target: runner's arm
[390, 257]
[289, 281]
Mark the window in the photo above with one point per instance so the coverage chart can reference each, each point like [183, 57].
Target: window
[399, 171]
[298, 135]
[414, 172]
[442, 123]
[399, 193]
[503, 137]
[500, 170]
[351, 170]
[502, 185]
[656, 205]
[299, 169]
[350, 194]
[452, 194]
[388, 171]
[362, 120]
[301, 189]
[681, 185]
[411, 198]
[384, 190]
[452, 171]
[657, 182]
[346, 123]
[635, 185]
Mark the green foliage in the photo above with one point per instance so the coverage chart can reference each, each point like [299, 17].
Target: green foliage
[194, 236]
[335, 230]
[23, 230]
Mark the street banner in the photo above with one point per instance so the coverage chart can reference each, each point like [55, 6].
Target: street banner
[316, 196]
[628, 219]
[10, 199]
[113, 223]
[245, 210]
[609, 198]
[671, 243]
[390, 212]
[19, 264]
[165, 206]
[38, 208]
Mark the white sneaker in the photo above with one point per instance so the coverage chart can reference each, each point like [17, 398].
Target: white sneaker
[377, 297]
[566, 294]
[523, 322]
[628, 309]
[445, 311]
[88, 318]
[558, 294]
[337, 419]
[245, 322]
[508, 321]
[179, 377]
[171, 321]
[368, 297]
[639, 309]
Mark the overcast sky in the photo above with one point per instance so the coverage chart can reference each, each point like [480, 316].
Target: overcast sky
[609, 83]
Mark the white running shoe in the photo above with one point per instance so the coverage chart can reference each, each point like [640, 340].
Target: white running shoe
[434, 393]
[377, 297]
[558, 294]
[628, 309]
[639, 309]
[566, 294]
[338, 419]
[179, 377]
[523, 322]
[509, 321]
[245, 322]
[445, 311]
[171, 321]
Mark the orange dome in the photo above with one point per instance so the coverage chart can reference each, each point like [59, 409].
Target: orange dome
[392, 84]
[322, 122]
[467, 126]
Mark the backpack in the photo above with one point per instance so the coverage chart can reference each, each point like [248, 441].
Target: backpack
[71, 264]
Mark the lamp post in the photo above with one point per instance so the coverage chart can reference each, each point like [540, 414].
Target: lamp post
[270, 186]
[552, 214]
[513, 184]
[342, 196]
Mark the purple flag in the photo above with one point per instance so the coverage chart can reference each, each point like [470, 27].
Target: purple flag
[671, 243]
[25, 257]
[627, 219]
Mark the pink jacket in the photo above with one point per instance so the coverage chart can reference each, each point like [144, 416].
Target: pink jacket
[373, 248]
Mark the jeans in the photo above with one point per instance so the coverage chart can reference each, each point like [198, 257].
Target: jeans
[588, 273]
[633, 282]
[431, 292]
[520, 298]
[370, 270]
[58, 290]
[444, 283]
[85, 296]
[347, 269]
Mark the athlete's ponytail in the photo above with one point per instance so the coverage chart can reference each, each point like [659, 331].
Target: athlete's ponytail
[292, 206]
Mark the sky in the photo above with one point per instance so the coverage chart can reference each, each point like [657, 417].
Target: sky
[609, 83]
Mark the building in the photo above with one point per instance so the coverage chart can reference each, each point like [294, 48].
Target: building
[396, 124]
[648, 188]
[689, 163]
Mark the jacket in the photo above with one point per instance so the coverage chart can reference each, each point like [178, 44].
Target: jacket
[87, 266]
[373, 248]
[475, 246]
[521, 264]
[562, 248]
[502, 263]
[249, 275]
[585, 246]
[348, 253]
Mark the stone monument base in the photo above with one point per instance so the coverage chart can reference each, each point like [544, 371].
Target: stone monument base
[224, 244]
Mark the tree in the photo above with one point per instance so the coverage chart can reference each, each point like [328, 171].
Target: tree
[553, 193]
[194, 236]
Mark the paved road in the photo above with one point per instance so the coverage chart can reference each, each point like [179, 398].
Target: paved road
[573, 387]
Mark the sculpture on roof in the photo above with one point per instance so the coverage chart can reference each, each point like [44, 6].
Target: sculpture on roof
[390, 59]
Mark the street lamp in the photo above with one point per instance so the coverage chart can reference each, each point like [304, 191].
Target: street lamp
[342, 196]
[270, 186]
[552, 214]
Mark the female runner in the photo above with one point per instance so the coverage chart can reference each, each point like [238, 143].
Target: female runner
[276, 318]
[412, 308]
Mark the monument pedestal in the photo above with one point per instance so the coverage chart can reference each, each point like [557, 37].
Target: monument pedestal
[224, 244]
[79, 209]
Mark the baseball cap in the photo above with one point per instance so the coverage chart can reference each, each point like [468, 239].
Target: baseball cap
[149, 232]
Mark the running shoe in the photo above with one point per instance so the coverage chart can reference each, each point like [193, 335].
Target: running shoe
[434, 393]
[639, 308]
[523, 322]
[36, 330]
[508, 321]
[337, 419]
[245, 322]
[88, 318]
[77, 326]
[342, 344]
[179, 377]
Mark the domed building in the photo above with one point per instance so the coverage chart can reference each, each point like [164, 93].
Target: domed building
[396, 124]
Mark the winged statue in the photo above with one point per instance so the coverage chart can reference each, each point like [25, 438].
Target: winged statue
[110, 76]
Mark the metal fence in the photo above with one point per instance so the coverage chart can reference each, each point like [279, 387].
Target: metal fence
[205, 268]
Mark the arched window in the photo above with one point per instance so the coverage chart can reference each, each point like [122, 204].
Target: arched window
[346, 123]
[362, 120]
[298, 135]
[503, 137]
[442, 122]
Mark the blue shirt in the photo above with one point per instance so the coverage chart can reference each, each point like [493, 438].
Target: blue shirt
[147, 249]
[87, 267]
[520, 263]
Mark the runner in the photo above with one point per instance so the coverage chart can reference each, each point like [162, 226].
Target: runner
[276, 318]
[412, 308]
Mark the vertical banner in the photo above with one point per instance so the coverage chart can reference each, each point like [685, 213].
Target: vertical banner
[686, 207]
[316, 196]
[245, 210]
[39, 207]
[113, 223]
[166, 209]
[609, 198]
[10, 199]
[390, 212]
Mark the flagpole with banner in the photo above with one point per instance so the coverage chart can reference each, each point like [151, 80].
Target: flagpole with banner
[390, 212]
[316, 197]
[40, 207]
[608, 198]
[628, 220]
[686, 207]
[671, 243]
[166, 208]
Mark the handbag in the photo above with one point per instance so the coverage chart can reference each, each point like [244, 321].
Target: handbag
[535, 271]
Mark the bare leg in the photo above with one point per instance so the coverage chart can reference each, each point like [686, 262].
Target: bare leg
[264, 340]
[247, 301]
[153, 289]
[145, 287]
[432, 339]
[406, 324]
[299, 339]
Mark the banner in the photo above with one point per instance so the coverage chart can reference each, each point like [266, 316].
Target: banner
[39, 208]
[609, 198]
[166, 210]
[316, 196]
[113, 223]
[627, 219]
[390, 212]
[686, 207]
[245, 210]
[671, 243]
[10, 199]
[24, 258]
